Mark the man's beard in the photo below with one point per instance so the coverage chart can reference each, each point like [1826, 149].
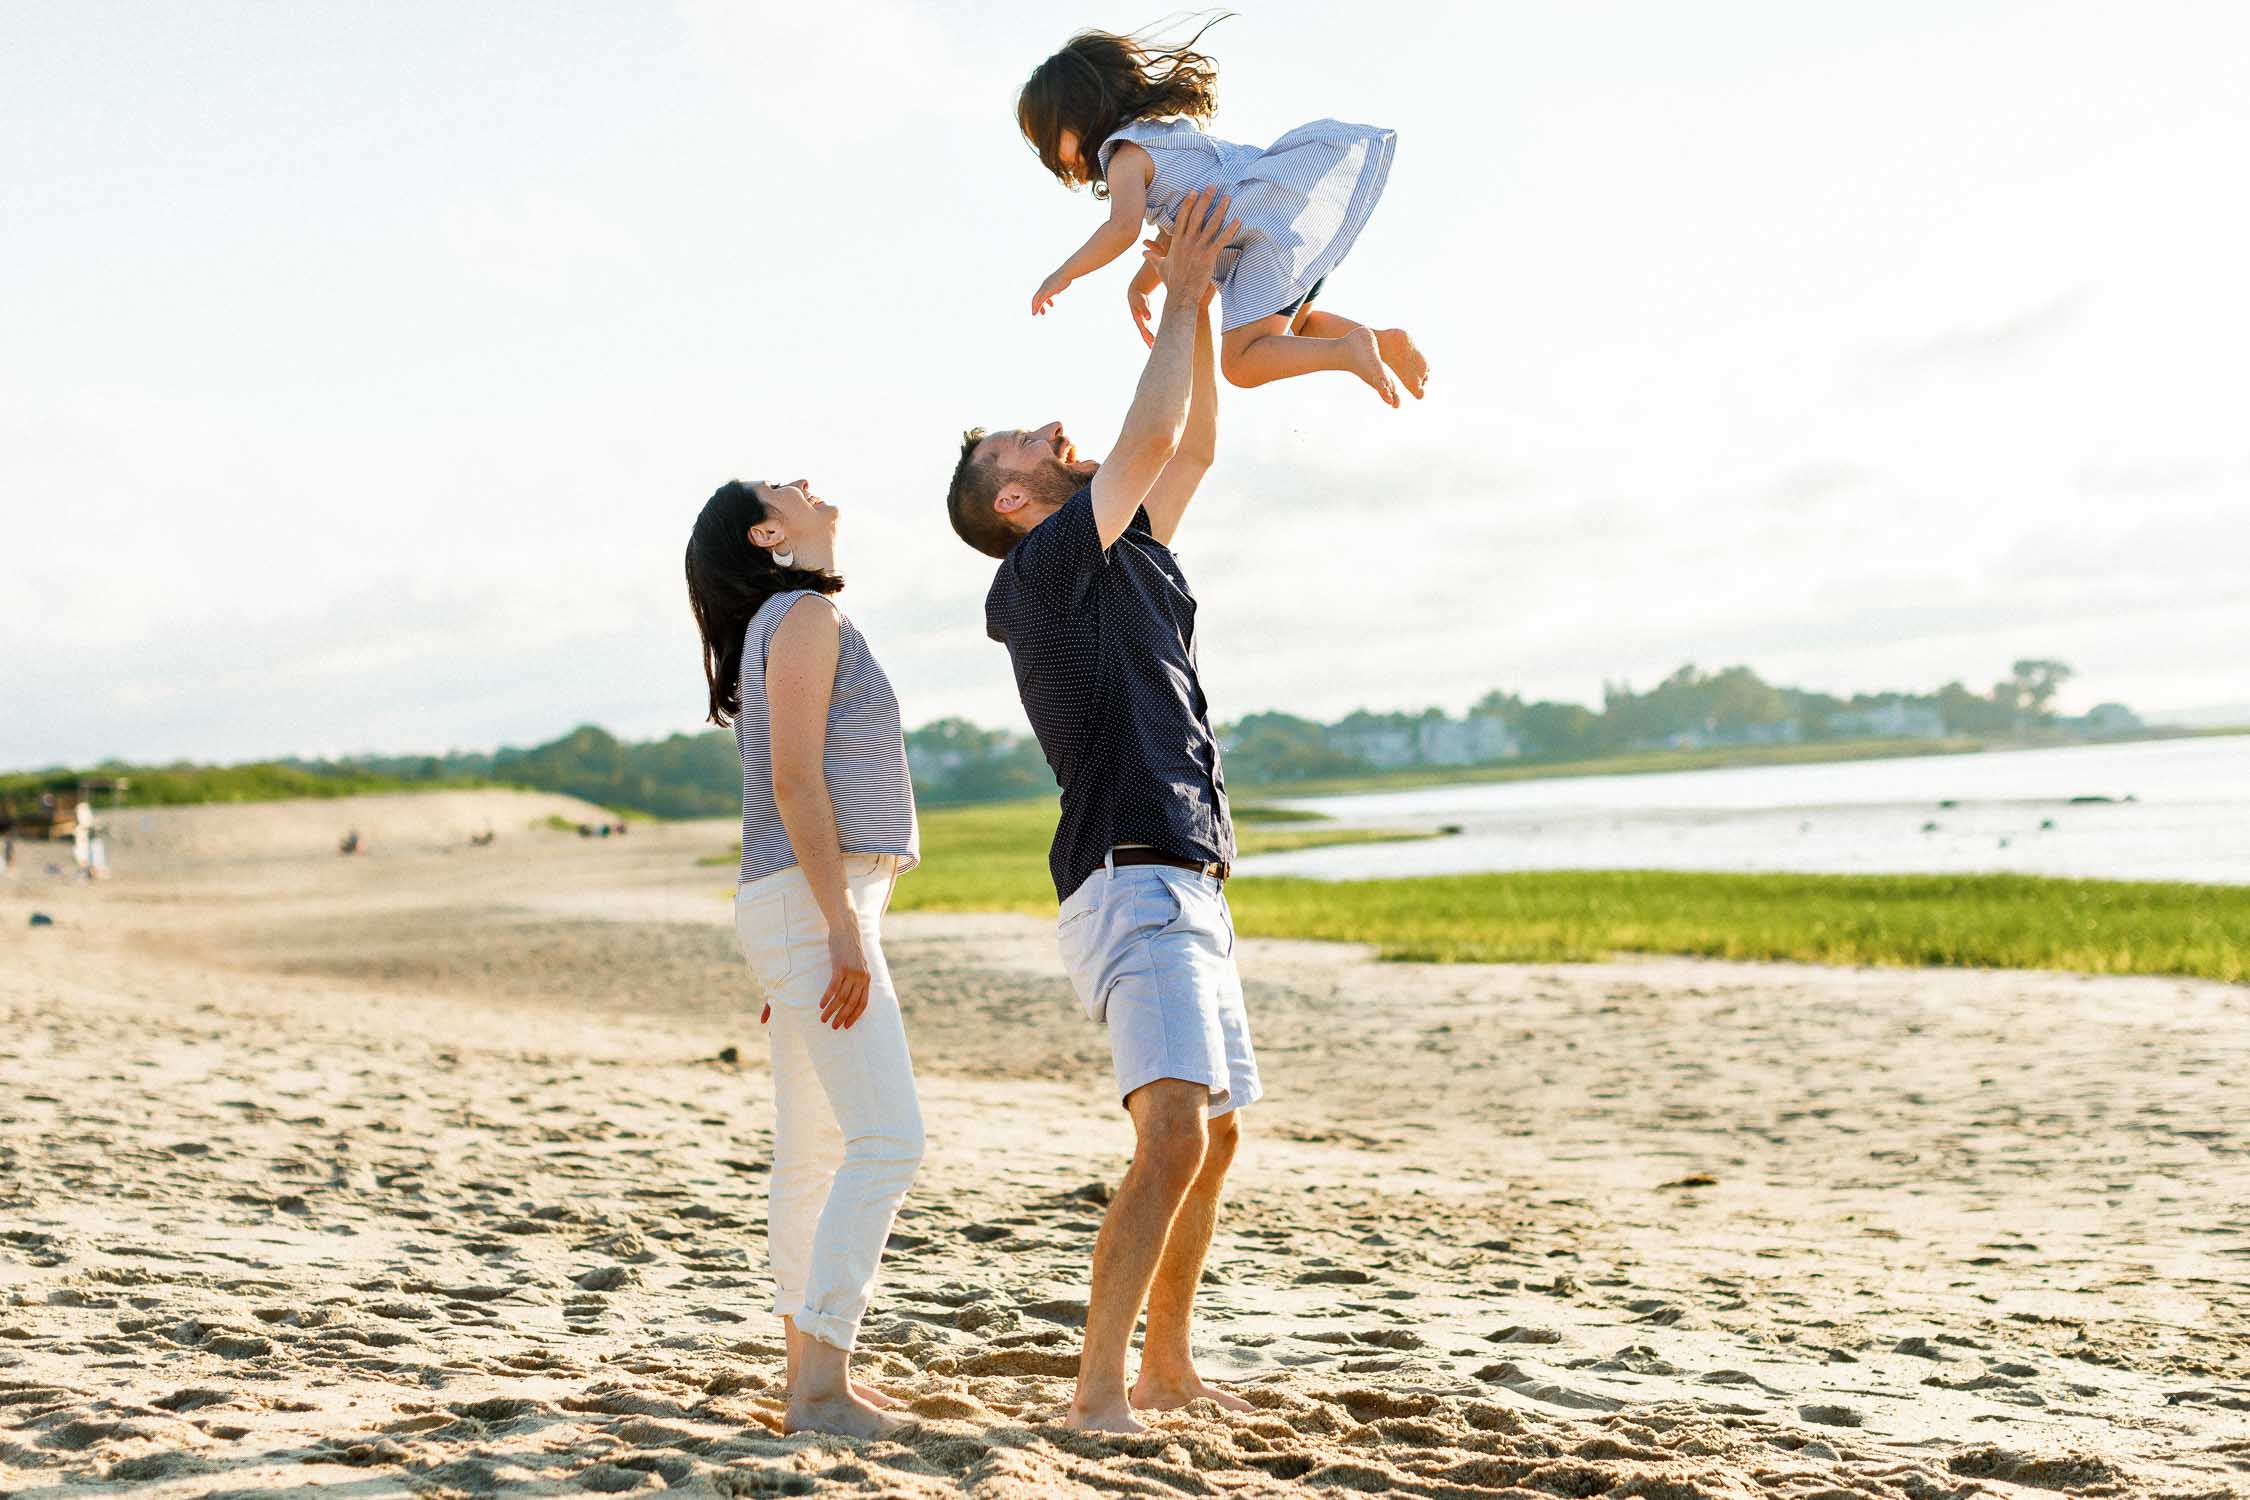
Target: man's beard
[1053, 483]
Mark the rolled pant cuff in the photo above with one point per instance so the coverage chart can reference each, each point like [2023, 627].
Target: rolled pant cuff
[835, 1332]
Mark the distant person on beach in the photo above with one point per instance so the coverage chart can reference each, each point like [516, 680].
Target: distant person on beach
[1099, 623]
[827, 828]
[1123, 117]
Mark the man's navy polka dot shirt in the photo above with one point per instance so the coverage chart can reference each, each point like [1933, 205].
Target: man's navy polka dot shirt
[1103, 645]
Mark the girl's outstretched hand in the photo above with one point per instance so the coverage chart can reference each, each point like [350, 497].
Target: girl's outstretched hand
[1048, 291]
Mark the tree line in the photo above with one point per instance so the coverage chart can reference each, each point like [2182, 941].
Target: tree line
[956, 761]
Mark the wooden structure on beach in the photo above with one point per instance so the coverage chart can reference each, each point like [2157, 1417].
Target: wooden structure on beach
[60, 815]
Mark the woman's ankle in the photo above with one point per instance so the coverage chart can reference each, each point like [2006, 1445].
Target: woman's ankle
[823, 1372]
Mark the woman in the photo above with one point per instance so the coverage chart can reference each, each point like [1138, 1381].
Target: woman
[827, 827]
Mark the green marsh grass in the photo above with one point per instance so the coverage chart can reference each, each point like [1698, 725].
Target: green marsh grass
[994, 858]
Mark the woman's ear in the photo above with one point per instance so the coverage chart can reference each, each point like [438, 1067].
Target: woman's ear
[765, 534]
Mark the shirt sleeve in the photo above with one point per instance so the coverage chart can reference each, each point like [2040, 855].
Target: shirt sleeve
[1055, 564]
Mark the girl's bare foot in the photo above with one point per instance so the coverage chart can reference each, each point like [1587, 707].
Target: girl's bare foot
[1367, 363]
[845, 1416]
[1401, 355]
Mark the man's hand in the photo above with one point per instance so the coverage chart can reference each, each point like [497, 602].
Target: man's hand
[1049, 290]
[1201, 232]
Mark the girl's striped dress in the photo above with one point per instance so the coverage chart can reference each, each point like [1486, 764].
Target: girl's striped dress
[1302, 201]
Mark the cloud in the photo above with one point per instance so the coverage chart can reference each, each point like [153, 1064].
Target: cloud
[2129, 478]
[1985, 343]
[1810, 486]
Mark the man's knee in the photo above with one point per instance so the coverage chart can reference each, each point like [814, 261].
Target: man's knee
[1168, 1130]
[1221, 1138]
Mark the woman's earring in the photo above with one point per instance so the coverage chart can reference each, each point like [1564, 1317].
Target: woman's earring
[783, 559]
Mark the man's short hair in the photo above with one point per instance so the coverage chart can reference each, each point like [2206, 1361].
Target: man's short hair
[968, 502]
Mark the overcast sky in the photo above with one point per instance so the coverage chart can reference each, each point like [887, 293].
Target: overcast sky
[362, 365]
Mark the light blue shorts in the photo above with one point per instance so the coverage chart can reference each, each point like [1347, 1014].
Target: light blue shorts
[1150, 951]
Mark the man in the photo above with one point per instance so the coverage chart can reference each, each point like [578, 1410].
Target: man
[1100, 625]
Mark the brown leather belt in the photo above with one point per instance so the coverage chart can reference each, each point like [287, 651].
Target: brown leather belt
[1137, 856]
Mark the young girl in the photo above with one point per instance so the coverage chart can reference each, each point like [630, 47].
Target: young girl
[1112, 113]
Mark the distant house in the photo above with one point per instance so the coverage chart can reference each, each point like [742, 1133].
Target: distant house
[1889, 718]
[1473, 741]
[1388, 740]
[1708, 734]
[2105, 719]
[1381, 740]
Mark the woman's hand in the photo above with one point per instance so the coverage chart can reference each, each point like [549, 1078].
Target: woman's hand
[1048, 291]
[845, 999]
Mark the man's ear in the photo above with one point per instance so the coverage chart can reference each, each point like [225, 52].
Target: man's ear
[1010, 500]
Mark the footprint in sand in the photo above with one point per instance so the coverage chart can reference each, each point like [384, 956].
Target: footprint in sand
[1832, 1416]
[1537, 1388]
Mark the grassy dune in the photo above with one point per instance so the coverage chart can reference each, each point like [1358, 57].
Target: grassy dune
[264, 781]
[993, 858]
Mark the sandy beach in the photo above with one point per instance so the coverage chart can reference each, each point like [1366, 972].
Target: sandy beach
[440, 1170]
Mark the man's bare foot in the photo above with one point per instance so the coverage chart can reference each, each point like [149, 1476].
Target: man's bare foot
[1401, 355]
[1367, 363]
[1150, 1395]
[1104, 1418]
[845, 1416]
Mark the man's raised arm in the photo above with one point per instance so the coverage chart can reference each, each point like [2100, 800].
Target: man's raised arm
[1168, 498]
[1158, 420]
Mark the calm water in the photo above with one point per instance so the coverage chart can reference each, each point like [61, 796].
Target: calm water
[2189, 820]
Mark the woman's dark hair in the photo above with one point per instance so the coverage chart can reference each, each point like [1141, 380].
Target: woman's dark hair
[1101, 80]
[728, 577]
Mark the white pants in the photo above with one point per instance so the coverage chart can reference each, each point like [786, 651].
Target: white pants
[848, 1128]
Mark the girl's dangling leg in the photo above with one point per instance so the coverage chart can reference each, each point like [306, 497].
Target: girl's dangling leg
[1265, 350]
[1397, 348]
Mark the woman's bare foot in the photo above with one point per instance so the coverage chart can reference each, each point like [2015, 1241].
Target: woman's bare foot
[1366, 357]
[866, 1393]
[1401, 355]
[1149, 1395]
[1117, 1418]
[844, 1416]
